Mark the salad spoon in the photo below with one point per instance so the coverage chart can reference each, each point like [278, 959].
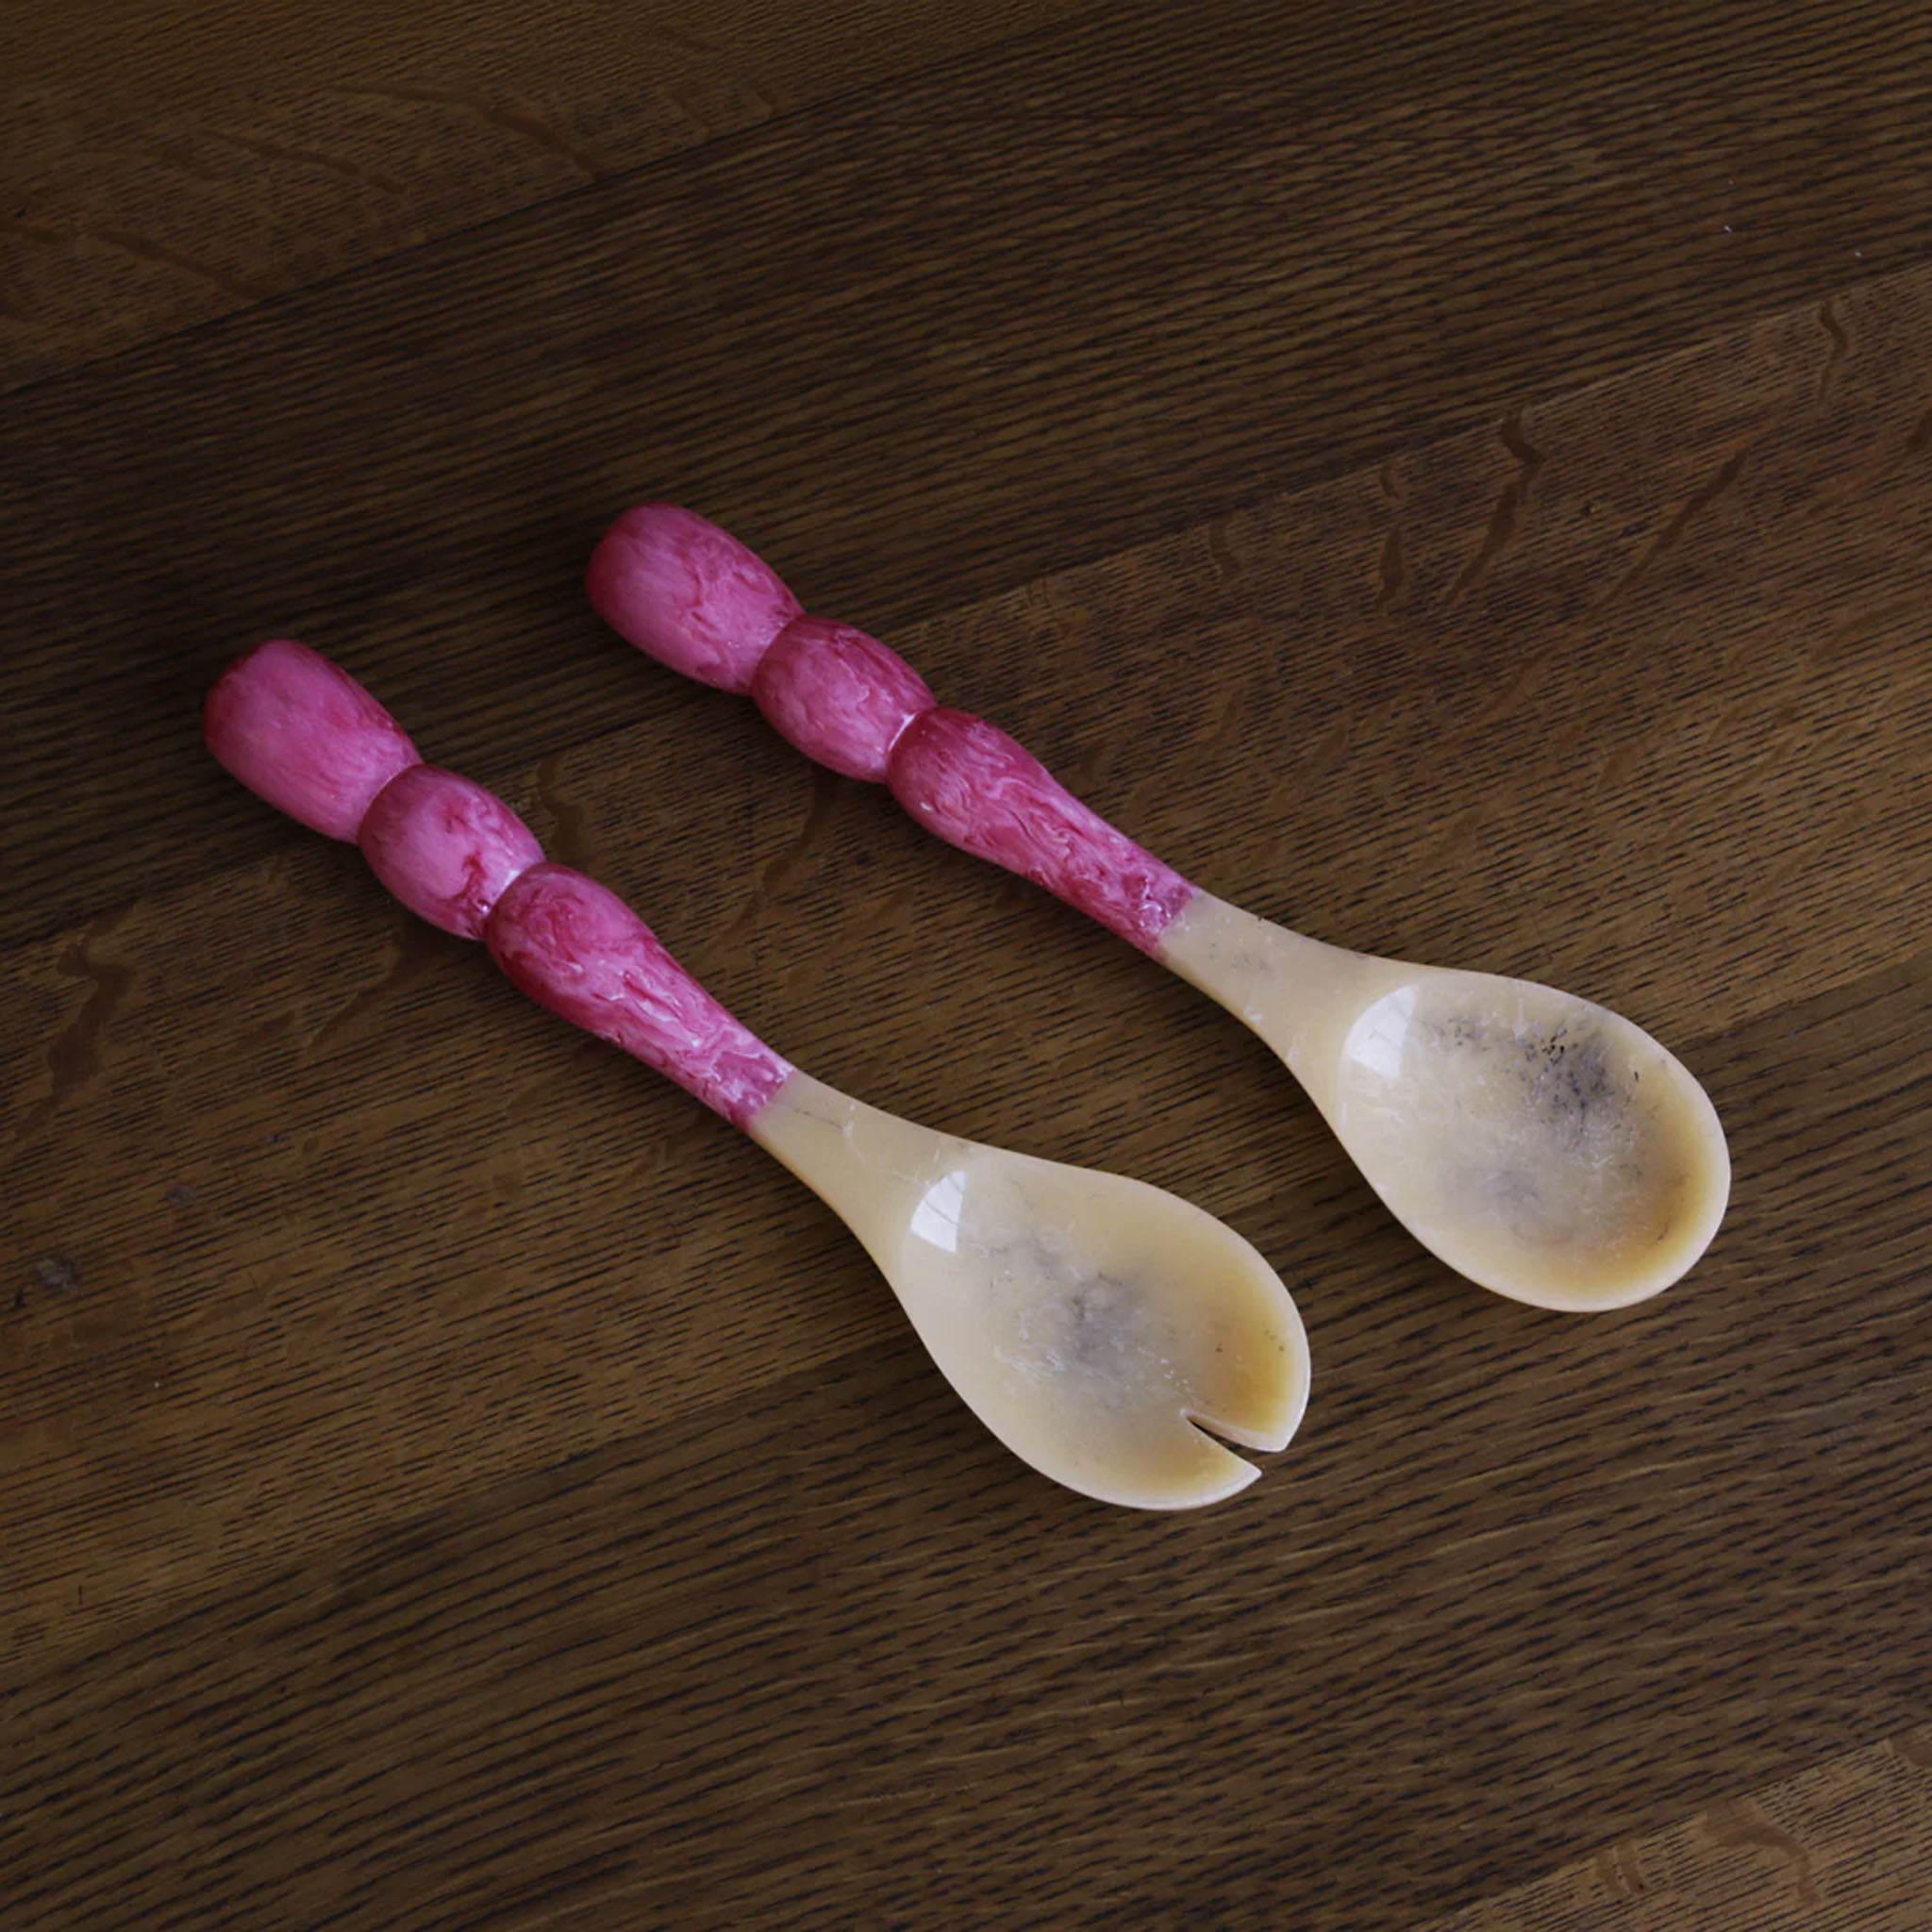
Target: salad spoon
[1541, 1145]
[1098, 1326]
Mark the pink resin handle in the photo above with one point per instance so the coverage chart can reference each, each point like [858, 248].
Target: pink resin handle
[303, 734]
[694, 597]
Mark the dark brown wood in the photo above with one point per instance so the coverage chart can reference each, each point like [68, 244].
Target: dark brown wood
[923, 344]
[450, 1480]
[160, 178]
[1844, 1845]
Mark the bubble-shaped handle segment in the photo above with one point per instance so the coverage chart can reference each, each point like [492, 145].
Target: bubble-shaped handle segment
[301, 733]
[839, 695]
[692, 596]
[577, 948]
[445, 847]
[969, 782]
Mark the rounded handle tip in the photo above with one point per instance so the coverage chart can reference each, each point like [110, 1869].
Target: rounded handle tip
[688, 594]
[304, 736]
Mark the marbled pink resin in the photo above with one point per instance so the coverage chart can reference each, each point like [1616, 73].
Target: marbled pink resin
[969, 782]
[445, 847]
[580, 950]
[694, 597]
[302, 734]
[689, 593]
[839, 695]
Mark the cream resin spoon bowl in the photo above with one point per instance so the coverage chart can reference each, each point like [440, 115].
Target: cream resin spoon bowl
[1542, 1146]
[1539, 1145]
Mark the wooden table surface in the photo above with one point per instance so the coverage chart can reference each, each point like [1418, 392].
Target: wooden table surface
[1455, 479]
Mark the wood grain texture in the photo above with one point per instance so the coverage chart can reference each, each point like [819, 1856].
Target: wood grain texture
[162, 172]
[1041, 308]
[1845, 1848]
[452, 1480]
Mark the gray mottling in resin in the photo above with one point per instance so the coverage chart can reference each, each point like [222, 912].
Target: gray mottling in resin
[1065, 1318]
[1536, 1123]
